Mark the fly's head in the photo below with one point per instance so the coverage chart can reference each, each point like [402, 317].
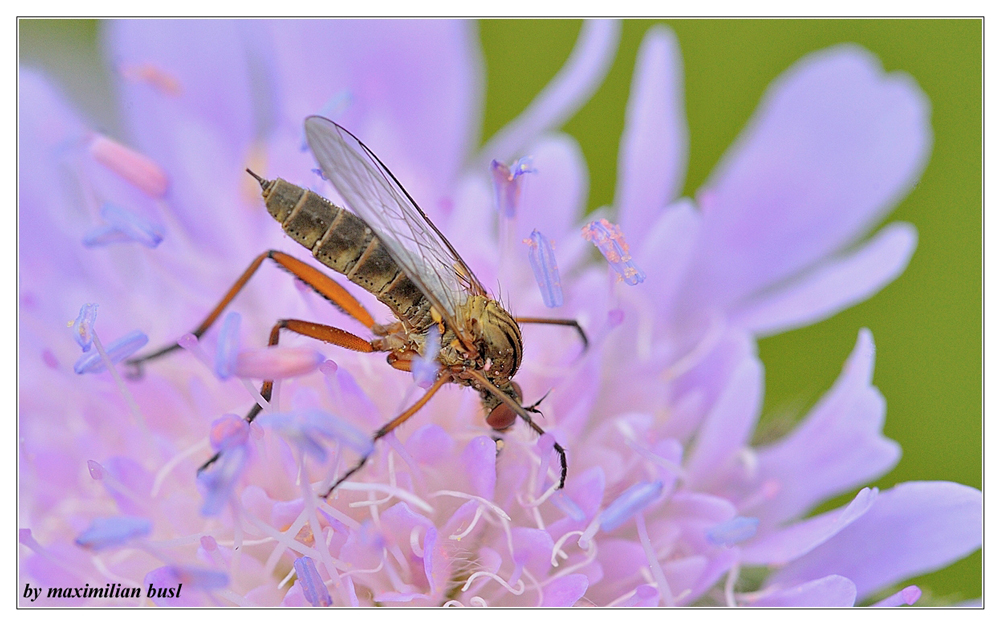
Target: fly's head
[497, 344]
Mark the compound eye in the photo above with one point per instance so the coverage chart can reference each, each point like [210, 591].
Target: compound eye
[503, 416]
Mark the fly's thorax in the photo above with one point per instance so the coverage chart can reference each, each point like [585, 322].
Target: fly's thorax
[496, 336]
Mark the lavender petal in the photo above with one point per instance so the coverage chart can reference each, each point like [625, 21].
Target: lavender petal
[583, 72]
[832, 591]
[833, 286]
[837, 447]
[786, 544]
[835, 143]
[565, 591]
[652, 156]
[728, 426]
[416, 89]
[911, 529]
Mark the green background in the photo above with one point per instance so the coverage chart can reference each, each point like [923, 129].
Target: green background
[927, 324]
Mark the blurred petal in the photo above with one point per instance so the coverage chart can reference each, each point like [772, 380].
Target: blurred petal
[838, 446]
[699, 387]
[430, 444]
[553, 197]
[913, 528]
[832, 591]
[728, 426]
[199, 132]
[583, 72]
[908, 596]
[652, 157]
[51, 216]
[415, 89]
[836, 284]
[733, 531]
[835, 144]
[664, 249]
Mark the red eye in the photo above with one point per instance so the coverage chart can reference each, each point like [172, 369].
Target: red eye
[503, 416]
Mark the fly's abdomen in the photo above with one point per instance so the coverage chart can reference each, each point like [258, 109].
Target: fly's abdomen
[343, 242]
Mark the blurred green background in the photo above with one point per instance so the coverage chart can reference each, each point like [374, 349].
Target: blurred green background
[927, 324]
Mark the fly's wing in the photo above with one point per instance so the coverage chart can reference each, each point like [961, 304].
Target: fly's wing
[374, 194]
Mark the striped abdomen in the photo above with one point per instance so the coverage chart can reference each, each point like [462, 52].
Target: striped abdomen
[343, 242]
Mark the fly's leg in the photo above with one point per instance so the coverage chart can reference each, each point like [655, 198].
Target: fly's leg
[522, 412]
[318, 331]
[392, 425]
[573, 323]
[314, 278]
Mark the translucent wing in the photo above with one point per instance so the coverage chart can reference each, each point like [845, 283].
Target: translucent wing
[374, 194]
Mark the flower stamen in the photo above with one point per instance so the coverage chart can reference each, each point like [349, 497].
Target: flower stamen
[610, 241]
[137, 169]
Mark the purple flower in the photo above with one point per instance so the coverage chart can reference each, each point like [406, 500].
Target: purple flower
[667, 500]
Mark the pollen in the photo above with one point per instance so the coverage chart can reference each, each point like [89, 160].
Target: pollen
[611, 242]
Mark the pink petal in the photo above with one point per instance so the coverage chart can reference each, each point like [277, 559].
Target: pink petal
[836, 284]
[700, 387]
[728, 426]
[480, 461]
[784, 545]
[908, 596]
[532, 550]
[838, 446]
[832, 591]
[914, 528]
[565, 591]
[430, 444]
[652, 157]
[835, 144]
[583, 72]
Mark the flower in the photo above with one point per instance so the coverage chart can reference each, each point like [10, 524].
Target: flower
[667, 501]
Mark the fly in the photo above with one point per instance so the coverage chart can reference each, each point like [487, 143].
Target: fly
[387, 245]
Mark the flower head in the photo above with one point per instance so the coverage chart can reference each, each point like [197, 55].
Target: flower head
[667, 501]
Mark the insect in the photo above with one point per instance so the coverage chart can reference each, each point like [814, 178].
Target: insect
[387, 245]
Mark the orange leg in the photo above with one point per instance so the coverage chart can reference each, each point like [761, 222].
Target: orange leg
[392, 425]
[558, 322]
[318, 331]
[314, 278]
